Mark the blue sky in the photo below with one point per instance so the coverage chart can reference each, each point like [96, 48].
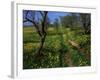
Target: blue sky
[52, 16]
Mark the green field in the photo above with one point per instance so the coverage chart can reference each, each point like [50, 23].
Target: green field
[63, 47]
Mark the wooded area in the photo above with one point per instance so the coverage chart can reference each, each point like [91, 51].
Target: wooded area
[51, 40]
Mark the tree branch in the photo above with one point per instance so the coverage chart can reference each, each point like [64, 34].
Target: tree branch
[33, 22]
[41, 14]
[44, 22]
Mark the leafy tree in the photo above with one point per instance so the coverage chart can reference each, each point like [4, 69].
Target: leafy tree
[70, 20]
[86, 22]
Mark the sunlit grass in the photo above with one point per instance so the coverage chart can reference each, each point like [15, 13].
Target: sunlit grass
[54, 42]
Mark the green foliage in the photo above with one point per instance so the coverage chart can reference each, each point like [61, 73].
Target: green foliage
[79, 59]
[70, 20]
[55, 49]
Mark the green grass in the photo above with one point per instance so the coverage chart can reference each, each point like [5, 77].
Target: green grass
[55, 48]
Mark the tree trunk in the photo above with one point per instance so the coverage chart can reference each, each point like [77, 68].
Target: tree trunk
[41, 44]
[39, 56]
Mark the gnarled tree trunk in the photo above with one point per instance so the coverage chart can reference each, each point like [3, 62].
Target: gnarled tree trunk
[41, 44]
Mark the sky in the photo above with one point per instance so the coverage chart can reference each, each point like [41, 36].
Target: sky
[51, 15]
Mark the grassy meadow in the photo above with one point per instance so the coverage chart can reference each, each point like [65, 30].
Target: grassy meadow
[63, 47]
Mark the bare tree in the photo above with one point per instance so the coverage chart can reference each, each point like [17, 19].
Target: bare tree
[40, 24]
